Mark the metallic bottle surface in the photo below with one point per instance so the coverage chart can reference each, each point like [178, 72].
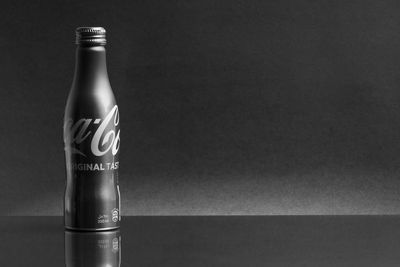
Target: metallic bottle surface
[91, 140]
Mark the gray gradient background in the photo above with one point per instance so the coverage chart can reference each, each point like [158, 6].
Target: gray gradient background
[227, 107]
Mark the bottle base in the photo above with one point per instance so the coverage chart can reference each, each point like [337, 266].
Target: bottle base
[91, 229]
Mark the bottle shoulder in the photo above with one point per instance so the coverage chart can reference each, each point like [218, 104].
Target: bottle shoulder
[89, 101]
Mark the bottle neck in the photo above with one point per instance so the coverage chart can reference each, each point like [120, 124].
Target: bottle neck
[90, 64]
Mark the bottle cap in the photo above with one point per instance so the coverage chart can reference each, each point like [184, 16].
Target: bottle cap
[90, 36]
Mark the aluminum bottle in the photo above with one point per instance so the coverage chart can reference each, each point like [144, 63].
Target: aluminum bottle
[91, 139]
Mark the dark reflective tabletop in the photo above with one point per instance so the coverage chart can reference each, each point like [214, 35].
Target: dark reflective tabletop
[206, 241]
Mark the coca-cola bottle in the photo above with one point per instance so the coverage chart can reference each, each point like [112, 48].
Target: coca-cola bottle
[91, 139]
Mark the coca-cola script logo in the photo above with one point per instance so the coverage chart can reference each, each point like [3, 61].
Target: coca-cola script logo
[102, 141]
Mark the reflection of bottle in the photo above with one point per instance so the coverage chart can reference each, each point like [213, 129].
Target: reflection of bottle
[97, 249]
